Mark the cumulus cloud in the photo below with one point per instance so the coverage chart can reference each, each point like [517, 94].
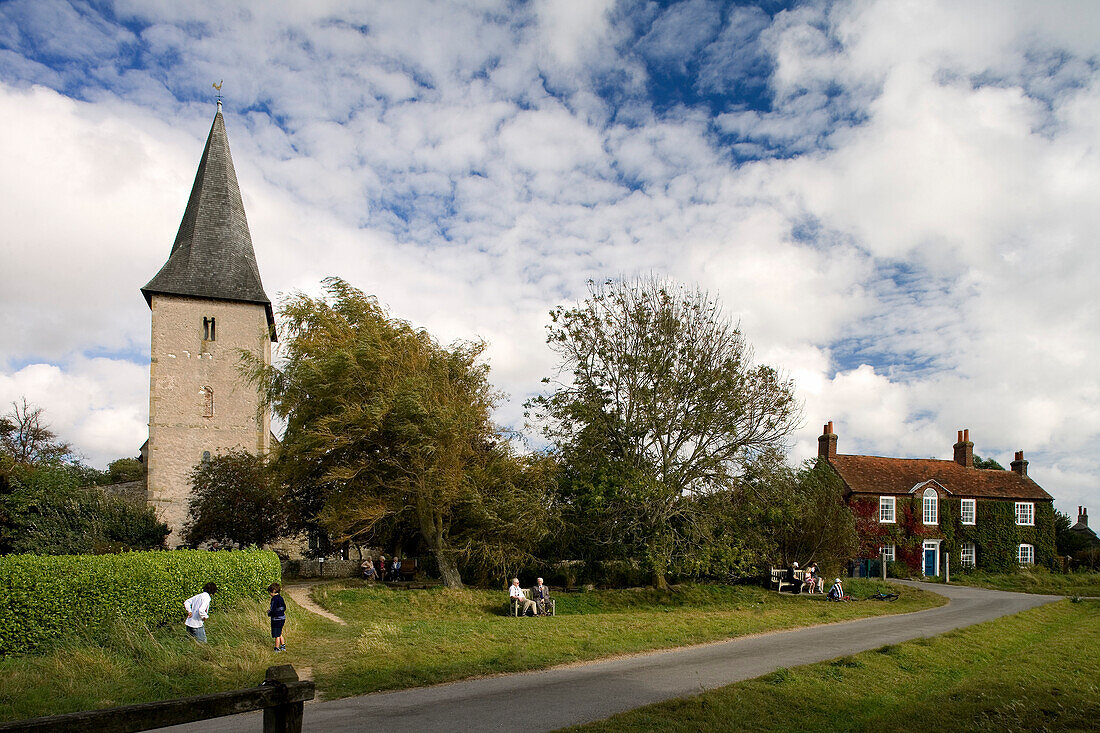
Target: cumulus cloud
[897, 201]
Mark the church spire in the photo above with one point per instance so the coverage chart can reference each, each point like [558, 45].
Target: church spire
[212, 256]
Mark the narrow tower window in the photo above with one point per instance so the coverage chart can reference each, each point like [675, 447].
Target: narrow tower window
[207, 402]
[208, 332]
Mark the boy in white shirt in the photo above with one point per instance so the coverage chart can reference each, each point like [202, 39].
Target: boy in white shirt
[198, 608]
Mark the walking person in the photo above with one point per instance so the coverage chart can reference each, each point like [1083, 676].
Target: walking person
[198, 609]
[277, 612]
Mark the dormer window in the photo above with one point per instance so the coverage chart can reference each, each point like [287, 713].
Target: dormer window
[208, 332]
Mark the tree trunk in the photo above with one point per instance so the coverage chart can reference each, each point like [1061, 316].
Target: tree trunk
[448, 569]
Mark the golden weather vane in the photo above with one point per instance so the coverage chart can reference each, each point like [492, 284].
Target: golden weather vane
[218, 87]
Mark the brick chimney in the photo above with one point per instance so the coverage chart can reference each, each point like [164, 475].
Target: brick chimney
[964, 450]
[1082, 517]
[826, 443]
[1019, 465]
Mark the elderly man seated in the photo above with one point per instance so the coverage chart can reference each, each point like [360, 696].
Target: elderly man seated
[521, 601]
[540, 594]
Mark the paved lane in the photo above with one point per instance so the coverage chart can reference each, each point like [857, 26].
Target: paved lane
[555, 698]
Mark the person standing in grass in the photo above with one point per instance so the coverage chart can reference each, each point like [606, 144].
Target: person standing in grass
[198, 608]
[277, 612]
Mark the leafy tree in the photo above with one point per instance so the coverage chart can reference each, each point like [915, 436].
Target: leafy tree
[381, 421]
[49, 511]
[809, 519]
[234, 501]
[125, 469]
[987, 463]
[1068, 543]
[661, 405]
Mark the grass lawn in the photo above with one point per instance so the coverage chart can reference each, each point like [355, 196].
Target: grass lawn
[1035, 671]
[1035, 580]
[399, 638]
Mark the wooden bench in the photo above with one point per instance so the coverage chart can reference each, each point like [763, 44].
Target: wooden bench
[513, 607]
[779, 579]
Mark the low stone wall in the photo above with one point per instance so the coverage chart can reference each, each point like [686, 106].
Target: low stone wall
[330, 568]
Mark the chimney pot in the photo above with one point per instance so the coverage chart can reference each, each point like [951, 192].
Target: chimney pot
[1019, 465]
[964, 450]
[826, 443]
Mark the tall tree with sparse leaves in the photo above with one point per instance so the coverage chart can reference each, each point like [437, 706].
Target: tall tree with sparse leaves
[658, 388]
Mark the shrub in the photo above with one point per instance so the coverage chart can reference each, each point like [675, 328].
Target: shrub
[45, 597]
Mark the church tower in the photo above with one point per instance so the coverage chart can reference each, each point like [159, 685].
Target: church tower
[207, 304]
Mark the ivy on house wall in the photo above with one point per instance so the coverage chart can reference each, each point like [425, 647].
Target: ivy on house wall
[995, 535]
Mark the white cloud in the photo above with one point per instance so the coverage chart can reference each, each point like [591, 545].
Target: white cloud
[919, 255]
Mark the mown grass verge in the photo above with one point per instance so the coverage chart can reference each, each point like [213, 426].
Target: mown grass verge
[1035, 671]
[396, 638]
[1035, 580]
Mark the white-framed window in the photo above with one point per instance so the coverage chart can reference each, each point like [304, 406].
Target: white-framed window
[1025, 513]
[886, 507]
[931, 506]
[888, 553]
[969, 511]
[968, 555]
[1026, 554]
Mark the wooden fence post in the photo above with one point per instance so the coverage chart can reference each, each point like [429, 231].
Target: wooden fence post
[287, 717]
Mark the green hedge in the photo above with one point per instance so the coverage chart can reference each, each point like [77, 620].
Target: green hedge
[45, 597]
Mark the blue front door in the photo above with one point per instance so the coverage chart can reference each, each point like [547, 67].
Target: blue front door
[929, 562]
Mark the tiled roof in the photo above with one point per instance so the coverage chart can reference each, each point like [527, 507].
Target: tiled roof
[879, 475]
[212, 256]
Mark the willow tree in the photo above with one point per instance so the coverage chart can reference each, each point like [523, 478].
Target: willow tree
[381, 419]
[657, 390]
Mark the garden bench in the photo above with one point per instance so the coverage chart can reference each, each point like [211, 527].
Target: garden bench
[513, 608]
[779, 578]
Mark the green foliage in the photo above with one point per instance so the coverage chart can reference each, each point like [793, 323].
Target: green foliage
[45, 509]
[987, 463]
[383, 422]
[995, 534]
[234, 501]
[812, 522]
[125, 469]
[663, 405]
[43, 598]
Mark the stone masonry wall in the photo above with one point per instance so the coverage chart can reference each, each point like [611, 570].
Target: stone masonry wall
[182, 366]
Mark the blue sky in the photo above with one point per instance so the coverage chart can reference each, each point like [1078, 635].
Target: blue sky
[897, 200]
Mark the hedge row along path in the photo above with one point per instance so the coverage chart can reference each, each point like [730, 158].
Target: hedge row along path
[299, 593]
[581, 693]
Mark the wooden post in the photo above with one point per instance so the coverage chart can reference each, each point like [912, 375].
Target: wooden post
[882, 562]
[947, 567]
[287, 717]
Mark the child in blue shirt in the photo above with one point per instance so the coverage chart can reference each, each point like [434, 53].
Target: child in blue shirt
[277, 612]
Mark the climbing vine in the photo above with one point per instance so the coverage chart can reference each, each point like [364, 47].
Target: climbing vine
[995, 534]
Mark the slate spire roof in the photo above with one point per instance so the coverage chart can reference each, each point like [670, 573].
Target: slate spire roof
[212, 256]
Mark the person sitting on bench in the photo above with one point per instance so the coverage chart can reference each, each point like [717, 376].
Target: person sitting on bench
[541, 595]
[518, 599]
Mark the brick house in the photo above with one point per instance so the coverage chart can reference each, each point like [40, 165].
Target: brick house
[925, 512]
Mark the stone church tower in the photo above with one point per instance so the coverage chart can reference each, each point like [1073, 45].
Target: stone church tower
[207, 303]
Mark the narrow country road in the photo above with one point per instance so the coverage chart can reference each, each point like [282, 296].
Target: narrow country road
[563, 696]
